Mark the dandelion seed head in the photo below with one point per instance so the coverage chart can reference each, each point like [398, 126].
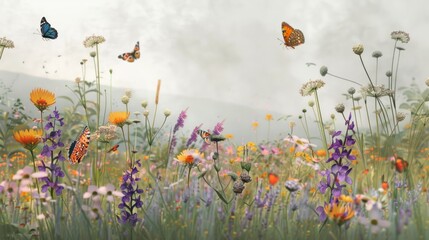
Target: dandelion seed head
[351, 91]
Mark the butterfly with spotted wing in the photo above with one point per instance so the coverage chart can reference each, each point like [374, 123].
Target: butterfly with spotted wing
[292, 37]
[131, 56]
[79, 147]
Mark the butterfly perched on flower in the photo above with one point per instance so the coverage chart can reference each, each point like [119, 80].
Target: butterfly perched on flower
[292, 37]
[131, 56]
[46, 29]
[79, 147]
[114, 148]
[205, 135]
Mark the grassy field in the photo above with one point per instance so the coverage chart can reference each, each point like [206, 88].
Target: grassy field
[87, 172]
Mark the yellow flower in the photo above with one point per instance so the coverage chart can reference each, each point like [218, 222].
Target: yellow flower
[28, 138]
[189, 156]
[229, 136]
[268, 117]
[255, 125]
[118, 118]
[42, 98]
[339, 212]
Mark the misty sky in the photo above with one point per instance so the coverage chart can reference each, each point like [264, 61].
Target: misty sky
[225, 50]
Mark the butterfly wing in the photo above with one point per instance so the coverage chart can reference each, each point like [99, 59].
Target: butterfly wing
[292, 37]
[131, 56]
[79, 147]
[114, 148]
[46, 29]
[205, 135]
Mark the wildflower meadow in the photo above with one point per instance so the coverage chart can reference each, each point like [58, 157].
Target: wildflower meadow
[88, 170]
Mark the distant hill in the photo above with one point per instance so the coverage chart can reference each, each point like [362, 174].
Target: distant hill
[238, 118]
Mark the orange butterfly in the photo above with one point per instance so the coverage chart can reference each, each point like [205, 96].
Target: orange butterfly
[205, 135]
[400, 164]
[79, 147]
[114, 148]
[131, 56]
[273, 178]
[292, 37]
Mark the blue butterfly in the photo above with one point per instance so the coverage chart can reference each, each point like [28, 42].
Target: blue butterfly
[47, 30]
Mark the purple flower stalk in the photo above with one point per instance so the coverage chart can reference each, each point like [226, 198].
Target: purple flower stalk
[179, 124]
[131, 199]
[337, 178]
[52, 142]
[194, 136]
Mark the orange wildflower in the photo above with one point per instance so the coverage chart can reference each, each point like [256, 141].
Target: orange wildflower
[42, 98]
[28, 138]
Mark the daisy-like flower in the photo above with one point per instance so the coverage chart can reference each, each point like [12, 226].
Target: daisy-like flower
[23, 175]
[10, 188]
[190, 157]
[377, 54]
[310, 87]
[339, 212]
[109, 191]
[28, 138]
[375, 221]
[400, 36]
[300, 143]
[6, 43]
[118, 118]
[93, 40]
[42, 98]
[91, 192]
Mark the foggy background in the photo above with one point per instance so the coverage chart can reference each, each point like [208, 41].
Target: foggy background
[216, 54]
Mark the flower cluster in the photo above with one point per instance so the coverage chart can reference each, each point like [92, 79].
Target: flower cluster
[179, 124]
[131, 199]
[6, 43]
[400, 36]
[337, 178]
[310, 87]
[93, 40]
[52, 142]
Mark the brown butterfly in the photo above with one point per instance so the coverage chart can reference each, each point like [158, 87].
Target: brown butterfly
[205, 135]
[79, 147]
[114, 148]
[131, 56]
[292, 37]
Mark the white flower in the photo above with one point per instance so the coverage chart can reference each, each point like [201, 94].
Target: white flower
[400, 36]
[109, 191]
[91, 41]
[91, 192]
[301, 143]
[375, 221]
[6, 43]
[311, 86]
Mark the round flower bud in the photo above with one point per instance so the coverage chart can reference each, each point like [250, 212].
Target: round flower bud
[244, 176]
[311, 103]
[93, 54]
[388, 73]
[332, 116]
[167, 112]
[340, 108]
[358, 49]
[144, 103]
[351, 90]
[77, 80]
[145, 113]
[323, 70]
[125, 99]
[304, 110]
[110, 71]
[238, 187]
